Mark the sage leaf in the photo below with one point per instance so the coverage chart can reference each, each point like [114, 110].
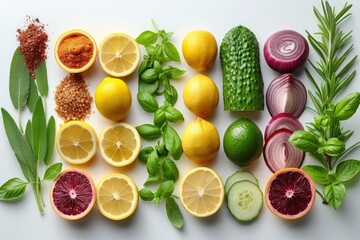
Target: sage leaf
[149, 131]
[170, 170]
[145, 153]
[304, 140]
[146, 194]
[173, 115]
[28, 133]
[33, 96]
[173, 212]
[52, 172]
[334, 194]
[12, 189]
[171, 52]
[347, 170]
[147, 38]
[20, 78]
[50, 138]
[165, 189]
[318, 174]
[147, 102]
[159, 117]
[39, 131]
[172, 142]
[41, 79]
[347, 107]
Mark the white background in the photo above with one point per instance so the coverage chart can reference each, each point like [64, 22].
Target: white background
[21, 220]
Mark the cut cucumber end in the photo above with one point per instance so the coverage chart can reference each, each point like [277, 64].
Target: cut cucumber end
[239, 176]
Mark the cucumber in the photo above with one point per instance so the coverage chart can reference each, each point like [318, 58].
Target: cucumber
[240, 63]
[244, 200]
[239, 176]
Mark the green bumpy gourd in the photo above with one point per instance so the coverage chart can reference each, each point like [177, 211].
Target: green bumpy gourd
[242, 80]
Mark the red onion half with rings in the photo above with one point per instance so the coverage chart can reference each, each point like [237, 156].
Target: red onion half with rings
[286, 50]
[282, 120]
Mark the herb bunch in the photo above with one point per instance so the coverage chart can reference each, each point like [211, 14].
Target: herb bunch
[34, 146]
[155, 74]
[325, 139]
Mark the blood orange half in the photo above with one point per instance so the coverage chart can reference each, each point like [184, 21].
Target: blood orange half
[73, 194]
[290, 193]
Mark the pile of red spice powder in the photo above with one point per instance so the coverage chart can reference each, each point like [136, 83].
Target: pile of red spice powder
[33, 42]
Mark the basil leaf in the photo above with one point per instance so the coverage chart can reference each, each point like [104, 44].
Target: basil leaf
[150, 75]
[145, 153]
[148, 87]
[176, 73]
[143, 66]
[152, 163]
[147, 38]
[12, 189]
[170, 170]
[173, 212]
[151, 50]
[149, 131]
[318, 174]
[165, 189]
[39, 131]
[334, 147]
[334, 194]
[152, 180]
[52, 172]
[146, 194]
[159, 117]
[171, 52]
[33, 96]
[347, 107]
[20, 78]
[346, 170]
[304, 140]
[173, 115]
[147, 101]
[51, 128]
[41, 79]
[172, 142]
[171, 95]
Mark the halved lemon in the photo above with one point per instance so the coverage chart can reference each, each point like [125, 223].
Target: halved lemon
[117, 196]
[76, 142]
[120, 144]
[201, 192]
[119, 54]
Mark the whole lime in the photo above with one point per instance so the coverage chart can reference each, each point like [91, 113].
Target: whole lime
[243, 142]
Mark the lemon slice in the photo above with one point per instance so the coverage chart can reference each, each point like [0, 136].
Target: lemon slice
[120, 144]
[117, 196]
[201, 192]
[119, 54]
[76, 142]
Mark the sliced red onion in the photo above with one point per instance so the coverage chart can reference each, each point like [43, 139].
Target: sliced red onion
[282, 120]
[286, 94]
[279, 153]
[286, 50]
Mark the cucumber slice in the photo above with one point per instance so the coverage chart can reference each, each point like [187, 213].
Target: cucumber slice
[244, 200]
[239, 176]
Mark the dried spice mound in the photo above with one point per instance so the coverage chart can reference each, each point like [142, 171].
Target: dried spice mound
[33, 43]
[72, 98]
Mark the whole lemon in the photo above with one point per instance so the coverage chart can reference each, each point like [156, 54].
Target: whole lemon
[200, 141]
[199, 49]
[201, 96]
[113, 98]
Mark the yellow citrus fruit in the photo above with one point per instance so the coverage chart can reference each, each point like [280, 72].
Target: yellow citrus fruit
[199, 49]
[201, 192]
[200, 141]
[113, 98]
[117, 196]
[201, 96]
[119, 54]
[120, 144]
[76, 142]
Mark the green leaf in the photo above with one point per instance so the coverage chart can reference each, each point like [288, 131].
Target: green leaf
[150, 75]
[19, 80]
[170, 170]
[347, 170]
[172, 142]
[51, 128]
[165, 189]
[12, 189]
[176, 73]
[347, 107]
[39, 131]
[171, 95]
[334, 147]
[52, 172]
[318, 174]
[304, 140]
[171, 52]
[159, 117]
[33, 96]
[148, 87]
[146, 194]
[28, 133]
[147, 38]
[152, 180]
[149, 131]
[41, 79]
[335, 194]
[152, 163]
[173, 115]
[147, 101]
[145, 153]
[173, 212]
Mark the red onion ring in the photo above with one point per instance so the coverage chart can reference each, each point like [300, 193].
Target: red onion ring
[279, 153]
[286, 94]
[282, 120]
[286, 50]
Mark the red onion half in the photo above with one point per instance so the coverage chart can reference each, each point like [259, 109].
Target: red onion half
[286, 50]
[282, 120]
[286, 94]
[279, 153]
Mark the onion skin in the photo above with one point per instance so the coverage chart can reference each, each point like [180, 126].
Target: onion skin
[282, 120]
[286, 94]
[286, 50]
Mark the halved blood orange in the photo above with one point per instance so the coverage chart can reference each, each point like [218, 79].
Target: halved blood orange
[72, 194]
[290, 193]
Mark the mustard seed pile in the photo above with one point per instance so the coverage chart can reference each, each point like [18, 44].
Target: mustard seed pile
[72, 98]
